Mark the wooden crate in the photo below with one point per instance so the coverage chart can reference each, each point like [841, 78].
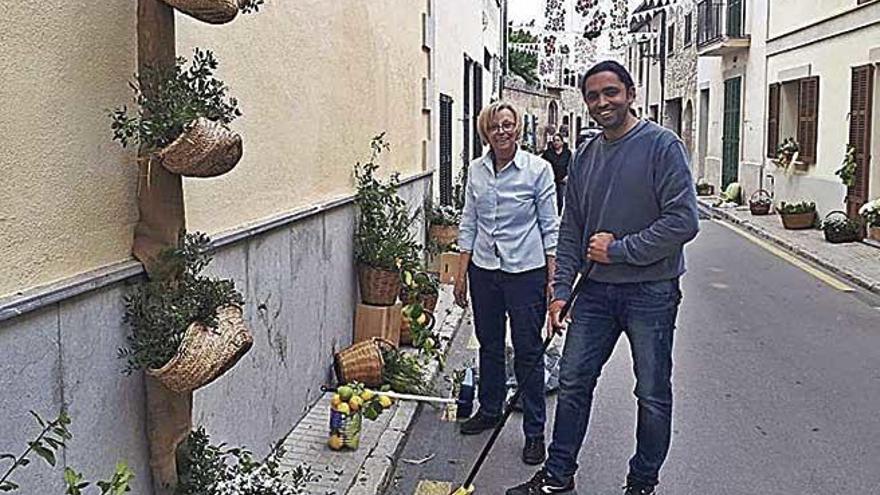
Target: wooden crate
[377, 321]
[448, 267]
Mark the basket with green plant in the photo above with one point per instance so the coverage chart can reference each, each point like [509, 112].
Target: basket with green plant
[839, 228]
[796, 216]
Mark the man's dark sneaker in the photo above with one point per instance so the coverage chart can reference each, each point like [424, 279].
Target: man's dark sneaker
[542, 483]
[534, 452]
[638, 489]
[479, 423]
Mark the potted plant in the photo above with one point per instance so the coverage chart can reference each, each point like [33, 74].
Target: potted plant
[870, 212]
[847, 170]
[760, 202]
[443, 223]
[420, 286]
[796, 216]
[839, 228]
[383, 239]
[787, 154]
[186, 329]
[181, 120]
[704, 188]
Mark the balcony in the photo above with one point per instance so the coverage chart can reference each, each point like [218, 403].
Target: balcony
[720, 28]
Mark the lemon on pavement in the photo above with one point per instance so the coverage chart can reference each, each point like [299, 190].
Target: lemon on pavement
[355, 403]
[335, 400]
[367, 395]
[335, 442]
[343, 408]
[385, 401]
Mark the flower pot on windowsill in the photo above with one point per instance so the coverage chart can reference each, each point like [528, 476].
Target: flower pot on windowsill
[798, 221]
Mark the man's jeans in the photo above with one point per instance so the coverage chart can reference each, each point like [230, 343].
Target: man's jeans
[646, 312]
[495, 295]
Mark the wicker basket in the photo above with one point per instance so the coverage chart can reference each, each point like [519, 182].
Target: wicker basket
[205, 149]
[845, 230]
[206, 353]
[378, 287]
[361, 362]
[798, 221]
[443, 235]
[210, 11]
[760, 202]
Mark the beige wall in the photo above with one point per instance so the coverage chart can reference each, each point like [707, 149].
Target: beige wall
[315, 81]
[66, 190]
[789, 15]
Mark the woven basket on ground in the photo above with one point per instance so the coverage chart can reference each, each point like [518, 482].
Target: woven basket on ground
[210, 11]
[206, 353]
[760, 202]
[378, 287]
[205, 149]
[842, 228]
[362, 362]
[443, 235]
[798, 221]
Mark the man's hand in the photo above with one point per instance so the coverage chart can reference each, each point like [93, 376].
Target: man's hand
[598, 249]
[555, 311]
[460, 290]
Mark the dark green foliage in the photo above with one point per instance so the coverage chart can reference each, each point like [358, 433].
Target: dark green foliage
[405, 373]
[169, 99]
[795, 208]
[47, 443]
[383, 238]
[161, 309]
[250, 6]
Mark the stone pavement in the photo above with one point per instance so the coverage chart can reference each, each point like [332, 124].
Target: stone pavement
[858, 262]
[364, 471]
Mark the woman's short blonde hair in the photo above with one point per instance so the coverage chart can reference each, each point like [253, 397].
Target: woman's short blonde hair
[487, 117]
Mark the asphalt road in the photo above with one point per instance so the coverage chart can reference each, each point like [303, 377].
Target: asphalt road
[777, 391]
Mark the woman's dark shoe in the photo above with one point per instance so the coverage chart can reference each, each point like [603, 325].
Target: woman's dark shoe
[534, 452]
[479, 423]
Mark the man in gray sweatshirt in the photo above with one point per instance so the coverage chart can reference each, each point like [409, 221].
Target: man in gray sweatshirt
[629, 209]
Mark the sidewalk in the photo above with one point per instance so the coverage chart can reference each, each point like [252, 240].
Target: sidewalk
[364, 471]
[858, 262]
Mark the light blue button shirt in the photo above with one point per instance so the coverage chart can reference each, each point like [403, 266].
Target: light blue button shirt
[509, 220]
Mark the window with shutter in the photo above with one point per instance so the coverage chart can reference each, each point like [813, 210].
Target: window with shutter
[445, 150]
[773, 121]
[808, 117]
[860, 132]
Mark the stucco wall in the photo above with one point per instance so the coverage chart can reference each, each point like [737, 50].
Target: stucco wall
[316, 80]
[67, 191]
[789, 15]
[831, 60]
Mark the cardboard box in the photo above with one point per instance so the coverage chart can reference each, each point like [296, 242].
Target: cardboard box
[377, 321]
[448, 267]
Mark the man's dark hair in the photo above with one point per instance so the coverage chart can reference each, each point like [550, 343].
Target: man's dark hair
[608, 66]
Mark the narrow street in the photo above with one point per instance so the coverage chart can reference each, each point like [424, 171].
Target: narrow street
[777, 382]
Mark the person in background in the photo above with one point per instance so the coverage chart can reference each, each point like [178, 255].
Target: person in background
[631, 208]
[507, 240]
[559, 156]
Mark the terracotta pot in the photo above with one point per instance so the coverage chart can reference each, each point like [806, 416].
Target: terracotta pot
[874, 233]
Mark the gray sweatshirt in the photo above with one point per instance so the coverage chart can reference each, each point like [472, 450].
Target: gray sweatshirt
[638, 188]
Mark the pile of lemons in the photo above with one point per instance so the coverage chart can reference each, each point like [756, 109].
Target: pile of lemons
[354, 399]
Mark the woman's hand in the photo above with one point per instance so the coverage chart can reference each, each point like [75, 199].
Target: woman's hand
[460, 291]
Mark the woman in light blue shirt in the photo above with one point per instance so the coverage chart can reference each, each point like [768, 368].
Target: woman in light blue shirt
[507, 238]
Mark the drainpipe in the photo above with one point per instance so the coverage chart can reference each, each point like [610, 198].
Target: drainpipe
[764, 149]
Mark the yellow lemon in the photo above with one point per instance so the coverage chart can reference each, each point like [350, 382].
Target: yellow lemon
[343, 408]
[367, 395]
[335, 400]
[385, 401]
[355, 403]
[422, 319]
[335, 442]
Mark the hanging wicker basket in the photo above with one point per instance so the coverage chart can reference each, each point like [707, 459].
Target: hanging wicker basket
[760, 202]
[206, 353]
[362, 362]
[839, 228]
[210, 11]
[205, 149]
[378, 287]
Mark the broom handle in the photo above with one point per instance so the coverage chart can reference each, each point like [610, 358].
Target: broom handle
[395, 395]
[519, 389]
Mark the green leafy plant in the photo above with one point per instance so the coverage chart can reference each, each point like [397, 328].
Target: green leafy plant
[250, 6]
[796, 208]
[208, 469]
[169, 99]
[523, 63]
[442, 214]
[53, 437]
[847, 170]
[405, 373]
[161, 309]
[383, 238]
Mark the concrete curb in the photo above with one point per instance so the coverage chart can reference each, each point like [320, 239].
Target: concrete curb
[854, 277]
[374, 474]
